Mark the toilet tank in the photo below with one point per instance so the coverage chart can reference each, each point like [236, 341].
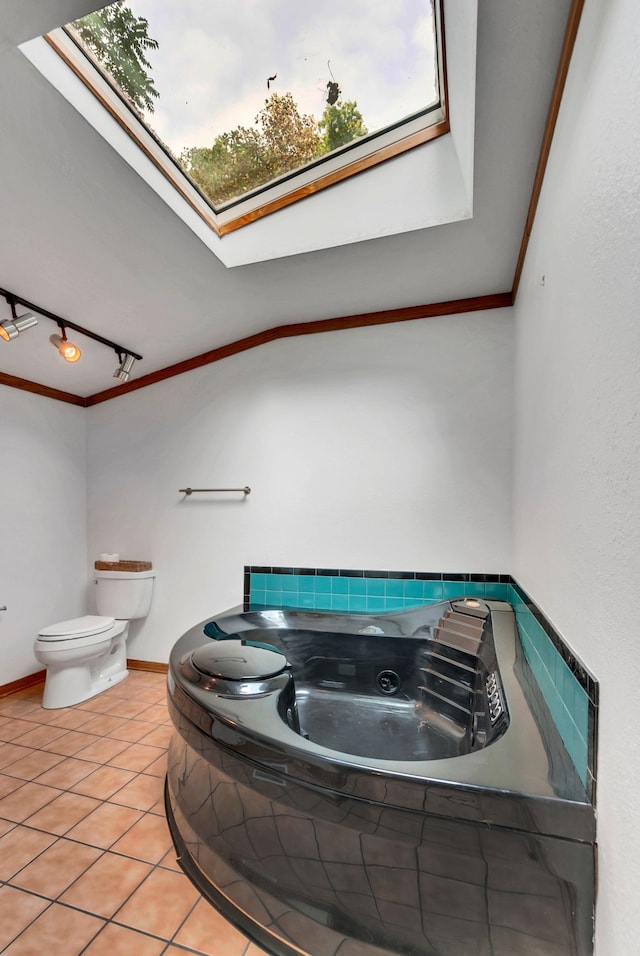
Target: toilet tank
[125, 595]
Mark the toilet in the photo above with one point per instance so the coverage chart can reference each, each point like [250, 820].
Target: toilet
[87, 655]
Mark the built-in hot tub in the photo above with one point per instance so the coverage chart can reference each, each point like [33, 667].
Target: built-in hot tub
[377, 784]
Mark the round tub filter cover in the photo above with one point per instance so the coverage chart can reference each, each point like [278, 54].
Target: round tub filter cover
[237, 660]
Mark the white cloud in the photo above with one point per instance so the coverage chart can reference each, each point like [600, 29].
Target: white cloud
[214, 58]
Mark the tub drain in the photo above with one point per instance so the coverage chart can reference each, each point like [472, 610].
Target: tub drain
[388, 682]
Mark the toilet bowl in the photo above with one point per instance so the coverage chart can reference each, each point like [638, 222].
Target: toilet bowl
[87, 655]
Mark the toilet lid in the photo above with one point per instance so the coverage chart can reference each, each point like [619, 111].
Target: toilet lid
[77, 627]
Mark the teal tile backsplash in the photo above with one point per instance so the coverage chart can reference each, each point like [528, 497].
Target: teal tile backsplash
[361, 594]
[570, 692]
[567, 699]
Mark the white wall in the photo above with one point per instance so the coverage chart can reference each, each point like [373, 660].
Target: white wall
[577, 471]
[385, 447]
[43, 533]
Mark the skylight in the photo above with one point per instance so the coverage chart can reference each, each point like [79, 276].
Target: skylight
[250, 106]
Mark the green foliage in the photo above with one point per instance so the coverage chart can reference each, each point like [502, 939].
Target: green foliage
[242, 159]
[245, 158]
[341, 123]
[118, 40]
[282, 141]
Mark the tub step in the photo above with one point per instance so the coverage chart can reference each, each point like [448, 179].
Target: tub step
[449, 664]
[472, 627]
[445, 700]
[461, 642]
[440, 675]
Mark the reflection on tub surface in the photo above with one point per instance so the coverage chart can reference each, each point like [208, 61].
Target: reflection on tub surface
[430, 695]
[333, 789]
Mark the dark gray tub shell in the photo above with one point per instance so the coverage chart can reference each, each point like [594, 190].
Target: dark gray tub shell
[311, 849]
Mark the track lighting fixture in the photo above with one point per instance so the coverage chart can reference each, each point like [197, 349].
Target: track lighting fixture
[11, 328]
[123, 372]
[68, 351]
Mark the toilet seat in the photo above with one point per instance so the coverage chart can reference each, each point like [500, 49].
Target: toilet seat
[87, 626]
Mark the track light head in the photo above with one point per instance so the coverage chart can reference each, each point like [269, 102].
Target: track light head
[12, 328]
[68, 351]
[123, 372]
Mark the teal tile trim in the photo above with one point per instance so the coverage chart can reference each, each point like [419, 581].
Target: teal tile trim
[566, 698]
[361, 594]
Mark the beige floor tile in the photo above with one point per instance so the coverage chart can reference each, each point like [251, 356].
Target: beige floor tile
[17, 910]
[102, 750]
[9, 753]
[60, 931]
[35, 764]
[101, 704]
[142, 793]
[208, 932]
[154, 695]
[31, 693]
[18, 847]
[67, 772]
[71, 743]
[118, 941]
[105, 886]
[17, 707]
[159, 737]
[160, 905]
[148, 839]
[159, 767]
[56, 868]
[25, 801]
[130, 708]
[102, 724]
[89, 853]
[104, 782]
[39, 735]
[169, 861]
[15, 728]
[9, 784]
[156, 714]
[69, 719]
[63, 813]
[133, 730]
[105, 825]
[122, 690]
[136, 757]
[158, 807]
[43, 715]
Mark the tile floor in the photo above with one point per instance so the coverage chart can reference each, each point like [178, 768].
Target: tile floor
[86, 861]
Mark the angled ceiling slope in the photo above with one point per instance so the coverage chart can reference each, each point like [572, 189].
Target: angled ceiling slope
[86, 238]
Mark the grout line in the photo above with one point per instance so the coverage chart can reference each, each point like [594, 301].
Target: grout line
[177, 930]
[25, 928]
[101, 802]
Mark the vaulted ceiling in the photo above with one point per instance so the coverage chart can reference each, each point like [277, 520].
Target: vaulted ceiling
[85, 237]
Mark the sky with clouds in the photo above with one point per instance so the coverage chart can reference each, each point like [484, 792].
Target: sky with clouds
[215, 56]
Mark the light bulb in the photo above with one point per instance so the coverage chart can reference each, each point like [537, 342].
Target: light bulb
[12, 328]
[68, 351]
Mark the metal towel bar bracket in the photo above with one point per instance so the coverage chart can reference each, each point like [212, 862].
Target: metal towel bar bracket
[189, 491]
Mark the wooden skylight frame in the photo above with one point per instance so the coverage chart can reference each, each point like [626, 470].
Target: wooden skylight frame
[350, 161]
